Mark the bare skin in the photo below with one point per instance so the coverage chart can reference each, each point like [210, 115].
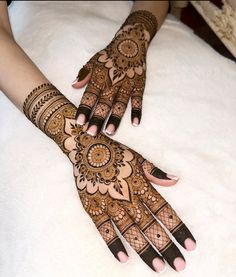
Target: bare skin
[95, 73]
[16, 67]
[19, 76]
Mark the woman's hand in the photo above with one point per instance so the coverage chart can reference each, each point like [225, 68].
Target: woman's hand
[116, 74]
[113, 182]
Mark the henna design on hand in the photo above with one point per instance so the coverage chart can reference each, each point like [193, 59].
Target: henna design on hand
[120, 71]
[110, 181]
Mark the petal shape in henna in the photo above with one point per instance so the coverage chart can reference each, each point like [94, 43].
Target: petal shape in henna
[130, 72]
[139, 70]
[103, 58]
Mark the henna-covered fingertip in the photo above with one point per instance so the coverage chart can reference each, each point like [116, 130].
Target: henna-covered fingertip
[181, 234]
[149, 255]
[110, 129]
[97, 122]
[81, 119]
[189, 244]
[82, 74]
[92, 130]
[118, 250]
[158, 173]
[115, 121]
[136, 114]
[85, 111]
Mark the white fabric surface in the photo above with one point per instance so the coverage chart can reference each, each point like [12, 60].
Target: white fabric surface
[188, 129]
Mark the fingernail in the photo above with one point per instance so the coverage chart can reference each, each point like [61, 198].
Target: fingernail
[135, 122]
[75, 81]
[81, 119]
[179, 264]
[190, 245]
[172, 177]
[123, 258]
[159, 265]
[110, 129]
[92, 130]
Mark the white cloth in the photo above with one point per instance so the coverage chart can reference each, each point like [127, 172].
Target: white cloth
[188, 128]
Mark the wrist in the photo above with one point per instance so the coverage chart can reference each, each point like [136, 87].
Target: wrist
[144, 18]
[52, 113]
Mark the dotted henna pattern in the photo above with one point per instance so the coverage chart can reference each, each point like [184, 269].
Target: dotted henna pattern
[110, 181]
[120, 69]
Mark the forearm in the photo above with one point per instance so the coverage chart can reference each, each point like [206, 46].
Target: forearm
[4, 18]
[157, 8]
[18, 74]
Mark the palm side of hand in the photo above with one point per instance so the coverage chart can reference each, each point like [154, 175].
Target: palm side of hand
[112, 181]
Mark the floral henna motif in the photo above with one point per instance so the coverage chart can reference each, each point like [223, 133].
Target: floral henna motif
[110, 180]
[120, 68]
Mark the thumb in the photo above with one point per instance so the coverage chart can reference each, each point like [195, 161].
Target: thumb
[157, 176]
[83, 76]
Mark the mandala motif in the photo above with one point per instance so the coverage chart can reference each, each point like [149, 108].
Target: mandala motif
[107, 173]
[128, 48]
[99, 165]
[125, 55]
[98, 156]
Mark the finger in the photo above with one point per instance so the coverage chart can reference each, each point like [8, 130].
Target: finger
[157, 176]
[120, 105]
[136, 99]
[179, 230]
[89, 99]
[101, 111]
[134, 236]
[83, 77]
[95, 207]
[113, 242]
[87, 103]
[117, 113]
[156, 234]
[136, 110]
[163, 211]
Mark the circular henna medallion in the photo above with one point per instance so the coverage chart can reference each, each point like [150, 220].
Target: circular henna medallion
[98, 155]
[128, 48]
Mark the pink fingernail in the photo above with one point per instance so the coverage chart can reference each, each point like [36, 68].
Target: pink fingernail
[92, 130]
[123, 258]
[81, 119]
[135, 122]
[159, 265]
[172, 177]
[110, 129]
[190, 245]
[75, 81]
[179, 264]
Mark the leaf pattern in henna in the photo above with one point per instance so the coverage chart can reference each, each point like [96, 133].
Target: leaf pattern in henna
[110, 180]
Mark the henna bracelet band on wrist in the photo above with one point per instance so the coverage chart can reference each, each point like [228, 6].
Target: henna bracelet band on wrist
[112, 184]
[44, 107]
[146, 18]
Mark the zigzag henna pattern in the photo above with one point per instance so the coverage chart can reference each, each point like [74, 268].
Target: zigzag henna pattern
[110, 181]
[119, 70]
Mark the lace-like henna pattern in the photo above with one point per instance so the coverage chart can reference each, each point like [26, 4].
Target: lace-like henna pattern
[101, 110]
[110, 181]
[120, 69]
[88, 100]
